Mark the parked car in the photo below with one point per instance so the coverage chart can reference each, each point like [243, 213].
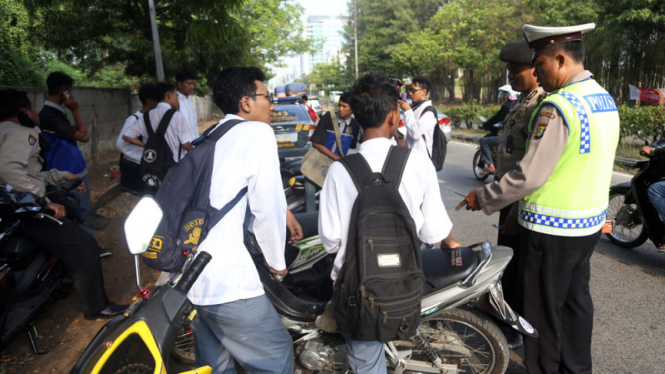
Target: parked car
[293, 127]
[444, 123]
[334, 96]
[316, 105]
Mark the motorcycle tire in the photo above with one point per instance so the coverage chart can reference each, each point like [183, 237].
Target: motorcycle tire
[637, 236]
[479, 167]
[477, 333]
[183, 347]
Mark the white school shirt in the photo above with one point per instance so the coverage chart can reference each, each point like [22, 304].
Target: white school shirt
[187, 109]
[419, 189]
[246, 156]
[131, 151]
[419, 124]
[176, 134]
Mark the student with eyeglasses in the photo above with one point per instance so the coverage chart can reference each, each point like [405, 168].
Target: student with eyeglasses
[420, 123]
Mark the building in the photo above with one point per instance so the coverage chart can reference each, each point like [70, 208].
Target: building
[327, 31]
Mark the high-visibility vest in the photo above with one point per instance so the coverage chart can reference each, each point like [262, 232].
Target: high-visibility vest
[573, 201]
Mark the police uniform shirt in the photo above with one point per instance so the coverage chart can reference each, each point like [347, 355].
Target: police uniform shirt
[515, 131]
[176, 134]
[20, 162]
[545, 150]
[131, 151]
[325, 133]
[419, 124]
[187, 109]
[419, 190]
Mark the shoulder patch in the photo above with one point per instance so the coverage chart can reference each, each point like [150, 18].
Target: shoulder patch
[531, 95]
[549, 115]
[31, 139]
[540, 130]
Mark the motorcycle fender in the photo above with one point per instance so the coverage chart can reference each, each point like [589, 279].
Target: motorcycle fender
[623, 189]
[495, 305]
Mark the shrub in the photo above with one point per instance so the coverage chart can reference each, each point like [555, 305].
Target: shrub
[650, 119]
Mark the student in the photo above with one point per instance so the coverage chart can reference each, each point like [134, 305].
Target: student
[375, 105]
[130, 159]
[324, 138]
[186, 82]
[419, 123]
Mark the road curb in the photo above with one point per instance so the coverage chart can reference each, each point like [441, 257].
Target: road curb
[109, 193]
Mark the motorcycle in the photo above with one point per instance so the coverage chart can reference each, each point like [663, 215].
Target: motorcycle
[462, 299]
[478, 163]
[30, 277]
[301, 194]
[141, 340]
[634, 218]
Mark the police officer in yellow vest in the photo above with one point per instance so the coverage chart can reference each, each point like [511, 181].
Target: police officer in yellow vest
[562, 185]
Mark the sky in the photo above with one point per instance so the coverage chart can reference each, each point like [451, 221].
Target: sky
[325, 7]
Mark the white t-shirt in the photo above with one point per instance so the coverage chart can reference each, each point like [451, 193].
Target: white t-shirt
[246, 156]
[132, 152]
[419, 124]
[176, 134]
[187, 110]
[419, 190]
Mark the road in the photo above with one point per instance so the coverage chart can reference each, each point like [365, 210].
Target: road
[627, 286]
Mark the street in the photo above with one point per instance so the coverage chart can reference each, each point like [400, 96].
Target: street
[627, 285]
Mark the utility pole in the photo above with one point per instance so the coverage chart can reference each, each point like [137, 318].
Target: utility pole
[155, 42]
[355, 33]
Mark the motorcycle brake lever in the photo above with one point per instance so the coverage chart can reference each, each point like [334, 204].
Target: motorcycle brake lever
[42, 216]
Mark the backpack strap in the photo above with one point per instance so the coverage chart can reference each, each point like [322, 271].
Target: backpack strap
[227, 208]
[135, 116]
[436, 117]
[395, 164]
[220, 130]
[164, 122]
[358, 169]
[148, 125]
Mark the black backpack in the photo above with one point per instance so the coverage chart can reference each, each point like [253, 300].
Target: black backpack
[379, 288]
[439, 142]
[157, 156]
[185, 200]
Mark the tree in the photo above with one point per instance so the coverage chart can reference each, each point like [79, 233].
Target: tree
[325, 75]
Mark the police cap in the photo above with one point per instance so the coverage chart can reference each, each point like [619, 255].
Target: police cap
[540, 37]
[516, 52]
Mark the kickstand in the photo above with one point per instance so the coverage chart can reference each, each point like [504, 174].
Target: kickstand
[33, 344]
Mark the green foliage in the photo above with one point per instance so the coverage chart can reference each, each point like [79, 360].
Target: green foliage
[18, 66]
[466, 113]
[650, 119]
[332, 74]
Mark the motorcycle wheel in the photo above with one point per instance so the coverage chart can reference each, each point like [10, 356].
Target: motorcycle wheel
[479, 166]
[481, 336]
[629, 234]
[183, 348]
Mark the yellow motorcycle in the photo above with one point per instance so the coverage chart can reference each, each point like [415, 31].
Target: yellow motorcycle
[140, 341]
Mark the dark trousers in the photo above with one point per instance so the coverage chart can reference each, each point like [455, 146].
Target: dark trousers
[130, 180]
[78, 250]
[511, 280]
[557, 302]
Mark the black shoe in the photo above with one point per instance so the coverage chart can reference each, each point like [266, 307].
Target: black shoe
[514, 339]
[94, 221]
[105, 253]
[110, 311]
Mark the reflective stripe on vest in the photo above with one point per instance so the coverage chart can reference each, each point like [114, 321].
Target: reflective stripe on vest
[585, 137]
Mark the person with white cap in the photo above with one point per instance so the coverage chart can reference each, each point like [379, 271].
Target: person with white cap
[563, 186]
[493, 125]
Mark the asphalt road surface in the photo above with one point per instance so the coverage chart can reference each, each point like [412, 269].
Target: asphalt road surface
[627, 285]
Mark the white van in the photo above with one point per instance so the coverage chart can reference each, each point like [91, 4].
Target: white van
[334, 96]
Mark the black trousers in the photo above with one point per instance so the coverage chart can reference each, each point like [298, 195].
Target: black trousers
[130, 180]
[511, 280]
[557, 302]
[79, 251]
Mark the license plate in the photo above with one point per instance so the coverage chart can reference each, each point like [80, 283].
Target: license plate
[290, 137]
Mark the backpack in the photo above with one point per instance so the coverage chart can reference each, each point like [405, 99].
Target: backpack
[157, 156]
[439, 143]
[379, 287]
[185, 200]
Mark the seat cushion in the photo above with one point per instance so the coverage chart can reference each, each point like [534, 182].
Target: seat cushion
[445, 267]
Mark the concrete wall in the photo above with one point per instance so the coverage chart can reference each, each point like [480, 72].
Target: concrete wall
[104, 110]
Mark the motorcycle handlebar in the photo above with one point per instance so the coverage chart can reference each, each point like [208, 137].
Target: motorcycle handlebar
[193, 272]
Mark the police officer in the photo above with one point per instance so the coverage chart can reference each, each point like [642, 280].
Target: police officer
[562, 184]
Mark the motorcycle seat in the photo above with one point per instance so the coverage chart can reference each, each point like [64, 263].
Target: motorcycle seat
[20, 252]
[443, 267]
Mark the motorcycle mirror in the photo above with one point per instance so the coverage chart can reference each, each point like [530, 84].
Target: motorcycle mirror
[643, 135]
[141, 224]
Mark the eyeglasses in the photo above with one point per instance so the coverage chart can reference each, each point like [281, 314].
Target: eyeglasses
[412, 90]
[265, 94]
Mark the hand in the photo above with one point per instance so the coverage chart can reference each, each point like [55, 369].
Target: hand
[70, 103]
[58, 210]
[404, 105]
[294, 228]
[450, 243]
[471, 202]
[511, 226]
[81, 187]
[279, 273]
[646, 151]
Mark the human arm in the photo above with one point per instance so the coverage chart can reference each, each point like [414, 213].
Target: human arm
[417, 128]
[496, 118]
[330, 226]
[295, 230]
[323, 149]
[81, 133]
[134, 141]
[437, 225]
[186, 134]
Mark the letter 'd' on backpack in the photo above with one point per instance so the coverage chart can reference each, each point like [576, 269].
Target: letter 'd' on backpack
[184, 196]
[379, 287]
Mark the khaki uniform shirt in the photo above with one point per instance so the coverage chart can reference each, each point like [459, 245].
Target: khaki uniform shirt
[537, 165]
[20, 163]
[516, 131]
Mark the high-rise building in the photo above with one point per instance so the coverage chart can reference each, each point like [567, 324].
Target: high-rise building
[327, 31]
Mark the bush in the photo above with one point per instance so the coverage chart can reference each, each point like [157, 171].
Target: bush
[467, 113]
[650, 119]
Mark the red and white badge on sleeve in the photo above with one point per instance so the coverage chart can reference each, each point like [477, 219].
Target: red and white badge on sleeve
[31, 139]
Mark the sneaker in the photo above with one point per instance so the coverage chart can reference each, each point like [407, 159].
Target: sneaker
[94, 221]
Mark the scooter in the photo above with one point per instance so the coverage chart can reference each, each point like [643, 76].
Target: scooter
[634, 218]
[30, 277]
[478, 163]
[301, 194]
[462, 300]
[140, 341]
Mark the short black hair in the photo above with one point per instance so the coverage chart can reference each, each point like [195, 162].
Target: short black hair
[57, 81]
[346, 97]
[147, 91]
[11, 103]
[161, 89]
[304, 97]
[422, 82]
[233, 84]
[574, 49]
[184, 75]
[372, 98]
